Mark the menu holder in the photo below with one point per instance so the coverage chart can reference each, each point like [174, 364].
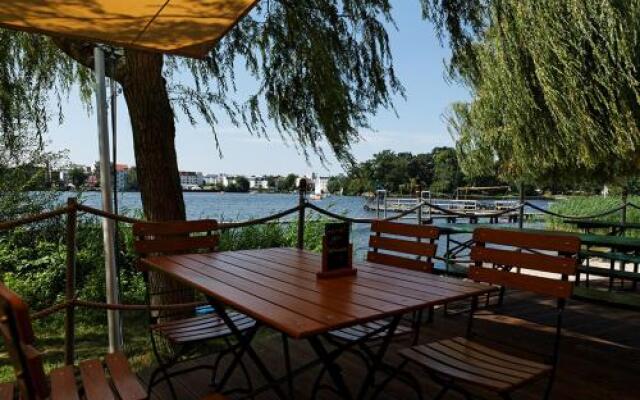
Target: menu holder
[336, 252]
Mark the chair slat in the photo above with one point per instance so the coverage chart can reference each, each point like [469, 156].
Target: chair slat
[6, 391]
[539, 262]
[174, 227]
[63, 384]
[562, 243]
[535, 284]
[124, 380]
[416, 231]
[94, 381]
[403, 246]
[401, 262]
[167, 246]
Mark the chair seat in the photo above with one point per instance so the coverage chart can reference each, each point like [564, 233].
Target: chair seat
[202, 327]
[357, 332]
[120, 383]
[468, 361]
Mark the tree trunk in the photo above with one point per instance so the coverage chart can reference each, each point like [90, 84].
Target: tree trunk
[154, 132]
[152, 123]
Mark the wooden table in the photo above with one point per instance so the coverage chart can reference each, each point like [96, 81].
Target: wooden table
[278, 288]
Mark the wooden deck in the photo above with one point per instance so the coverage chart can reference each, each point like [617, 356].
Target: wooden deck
[600, 355]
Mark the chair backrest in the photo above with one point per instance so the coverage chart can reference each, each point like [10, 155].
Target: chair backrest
[403, 245]
[174, 237]
[535, 262]
[16, 330]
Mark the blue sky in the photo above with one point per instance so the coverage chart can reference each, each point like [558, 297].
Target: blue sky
[419, 60]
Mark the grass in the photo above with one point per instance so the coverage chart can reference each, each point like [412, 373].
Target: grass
[590, 205]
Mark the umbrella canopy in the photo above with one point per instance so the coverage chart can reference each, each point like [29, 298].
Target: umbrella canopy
[182, 27]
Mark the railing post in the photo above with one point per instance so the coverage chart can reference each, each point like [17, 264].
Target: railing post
[521, 210]
[70, 284]
[625, 196]
[302, 189]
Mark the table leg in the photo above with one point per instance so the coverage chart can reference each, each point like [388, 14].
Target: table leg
[244, 341]
[332, 368]
[378, 356]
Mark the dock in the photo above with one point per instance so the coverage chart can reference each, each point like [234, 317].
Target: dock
[452, 210]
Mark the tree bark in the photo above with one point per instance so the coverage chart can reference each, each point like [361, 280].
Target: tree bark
[152, 124]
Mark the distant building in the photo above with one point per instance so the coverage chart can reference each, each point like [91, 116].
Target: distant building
[258, 183]
[122, 175]
[189, 179]
[212, 179]
[320, 184]
[227, 180]
[92, 181]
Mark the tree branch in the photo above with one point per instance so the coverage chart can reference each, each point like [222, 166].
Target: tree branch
[82, 52]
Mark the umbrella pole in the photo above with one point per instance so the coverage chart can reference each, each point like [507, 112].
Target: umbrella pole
[113, 320]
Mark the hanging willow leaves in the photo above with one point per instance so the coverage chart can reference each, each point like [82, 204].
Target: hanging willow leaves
[321, 67]
[555, 89]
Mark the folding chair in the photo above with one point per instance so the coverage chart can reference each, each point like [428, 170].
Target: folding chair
[530, 262]
[183, 331]
[397, 245]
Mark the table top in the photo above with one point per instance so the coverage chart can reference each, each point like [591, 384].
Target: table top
[279, 287]
[622, 242]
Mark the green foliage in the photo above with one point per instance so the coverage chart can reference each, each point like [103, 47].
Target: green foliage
[403, 173]
[24, 179]
[77, 176]
[555, 88]
[446, 173]
[132, 180]
[336, 184]
[240, 184]
[578, 206]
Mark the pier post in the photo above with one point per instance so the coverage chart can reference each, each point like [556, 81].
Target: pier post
[521, 210]
[302, 190]
[70, 284]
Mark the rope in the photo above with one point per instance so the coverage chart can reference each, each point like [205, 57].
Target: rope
[229, 225]
[592, 216]
[138, 307]
[51, 310]
[633, 206]
[122, 307]
[101, 213]
[33, 218]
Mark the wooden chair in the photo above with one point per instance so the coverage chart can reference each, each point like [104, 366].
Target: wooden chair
[402, 246]
[108, 379]
[530, 262]
[183, 331]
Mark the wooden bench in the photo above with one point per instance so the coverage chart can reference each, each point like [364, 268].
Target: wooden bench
[537, 263]
[398, 245]
[182, 328]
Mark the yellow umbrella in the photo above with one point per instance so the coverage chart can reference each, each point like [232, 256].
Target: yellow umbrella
[182, 27]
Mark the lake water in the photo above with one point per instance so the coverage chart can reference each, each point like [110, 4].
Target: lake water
[242, 206]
